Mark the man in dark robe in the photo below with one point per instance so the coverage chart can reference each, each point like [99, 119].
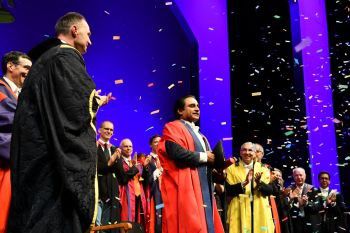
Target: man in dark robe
[187, 188]
[156, 202]
[15, 67]
[53, 150]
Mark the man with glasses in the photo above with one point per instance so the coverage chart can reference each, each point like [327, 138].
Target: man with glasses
[108, 171]
[15, 67]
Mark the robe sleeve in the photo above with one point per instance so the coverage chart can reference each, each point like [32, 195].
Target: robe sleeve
[124, 176]
[7, 110]
[182, 157]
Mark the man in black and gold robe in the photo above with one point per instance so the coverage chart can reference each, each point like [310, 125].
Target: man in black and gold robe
[53, 150]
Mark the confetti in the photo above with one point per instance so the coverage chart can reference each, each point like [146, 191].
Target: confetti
[227, 139]
[155, 112]
[118, 81]
[149, 128]
[116, 37]
[256, 93]
[171, 86]
[303, 44]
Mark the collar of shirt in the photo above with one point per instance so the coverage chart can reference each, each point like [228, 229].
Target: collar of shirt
[248, 166]
[154, 155]
[102, 143]
[13, 86]
[326, 190]
[300, 188]
[63, 41]
[193, 126]
[127, 160]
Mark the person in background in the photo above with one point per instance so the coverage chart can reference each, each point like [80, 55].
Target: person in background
[15, 67]
[304, 204]
[248, 185]
[155, 198]
[108, 169]
[332, 215]
[132, 195]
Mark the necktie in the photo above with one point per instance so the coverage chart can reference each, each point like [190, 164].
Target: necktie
[106, 152]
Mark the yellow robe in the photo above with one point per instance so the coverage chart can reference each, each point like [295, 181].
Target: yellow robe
[239, 209]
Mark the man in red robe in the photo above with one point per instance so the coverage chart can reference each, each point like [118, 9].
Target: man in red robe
[132, 195]
[15, 67]
[187, 188]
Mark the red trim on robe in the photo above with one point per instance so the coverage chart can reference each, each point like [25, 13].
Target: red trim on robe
[124, 214]
[5, 197]
[275, 216]
[181, 191]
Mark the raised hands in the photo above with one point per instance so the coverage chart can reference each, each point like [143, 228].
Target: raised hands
[116, 155]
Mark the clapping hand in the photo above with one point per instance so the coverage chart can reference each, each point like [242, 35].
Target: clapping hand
[257, 177]
[248, 178]
[104, 99]
[114, 157]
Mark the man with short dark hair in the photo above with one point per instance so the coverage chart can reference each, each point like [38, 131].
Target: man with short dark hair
[53, 150]
[15, 67]
[156, 170]
[186, 186]
[332, 215]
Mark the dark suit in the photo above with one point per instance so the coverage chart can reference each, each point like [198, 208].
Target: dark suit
[108, 186]
[306, 219]
[156, 195]
[332, 216]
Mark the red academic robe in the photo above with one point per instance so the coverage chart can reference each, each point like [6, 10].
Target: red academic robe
[8, 103]
[181, 189]
[127, 199]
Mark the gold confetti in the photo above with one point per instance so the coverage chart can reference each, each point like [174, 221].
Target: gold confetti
[256, 93]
